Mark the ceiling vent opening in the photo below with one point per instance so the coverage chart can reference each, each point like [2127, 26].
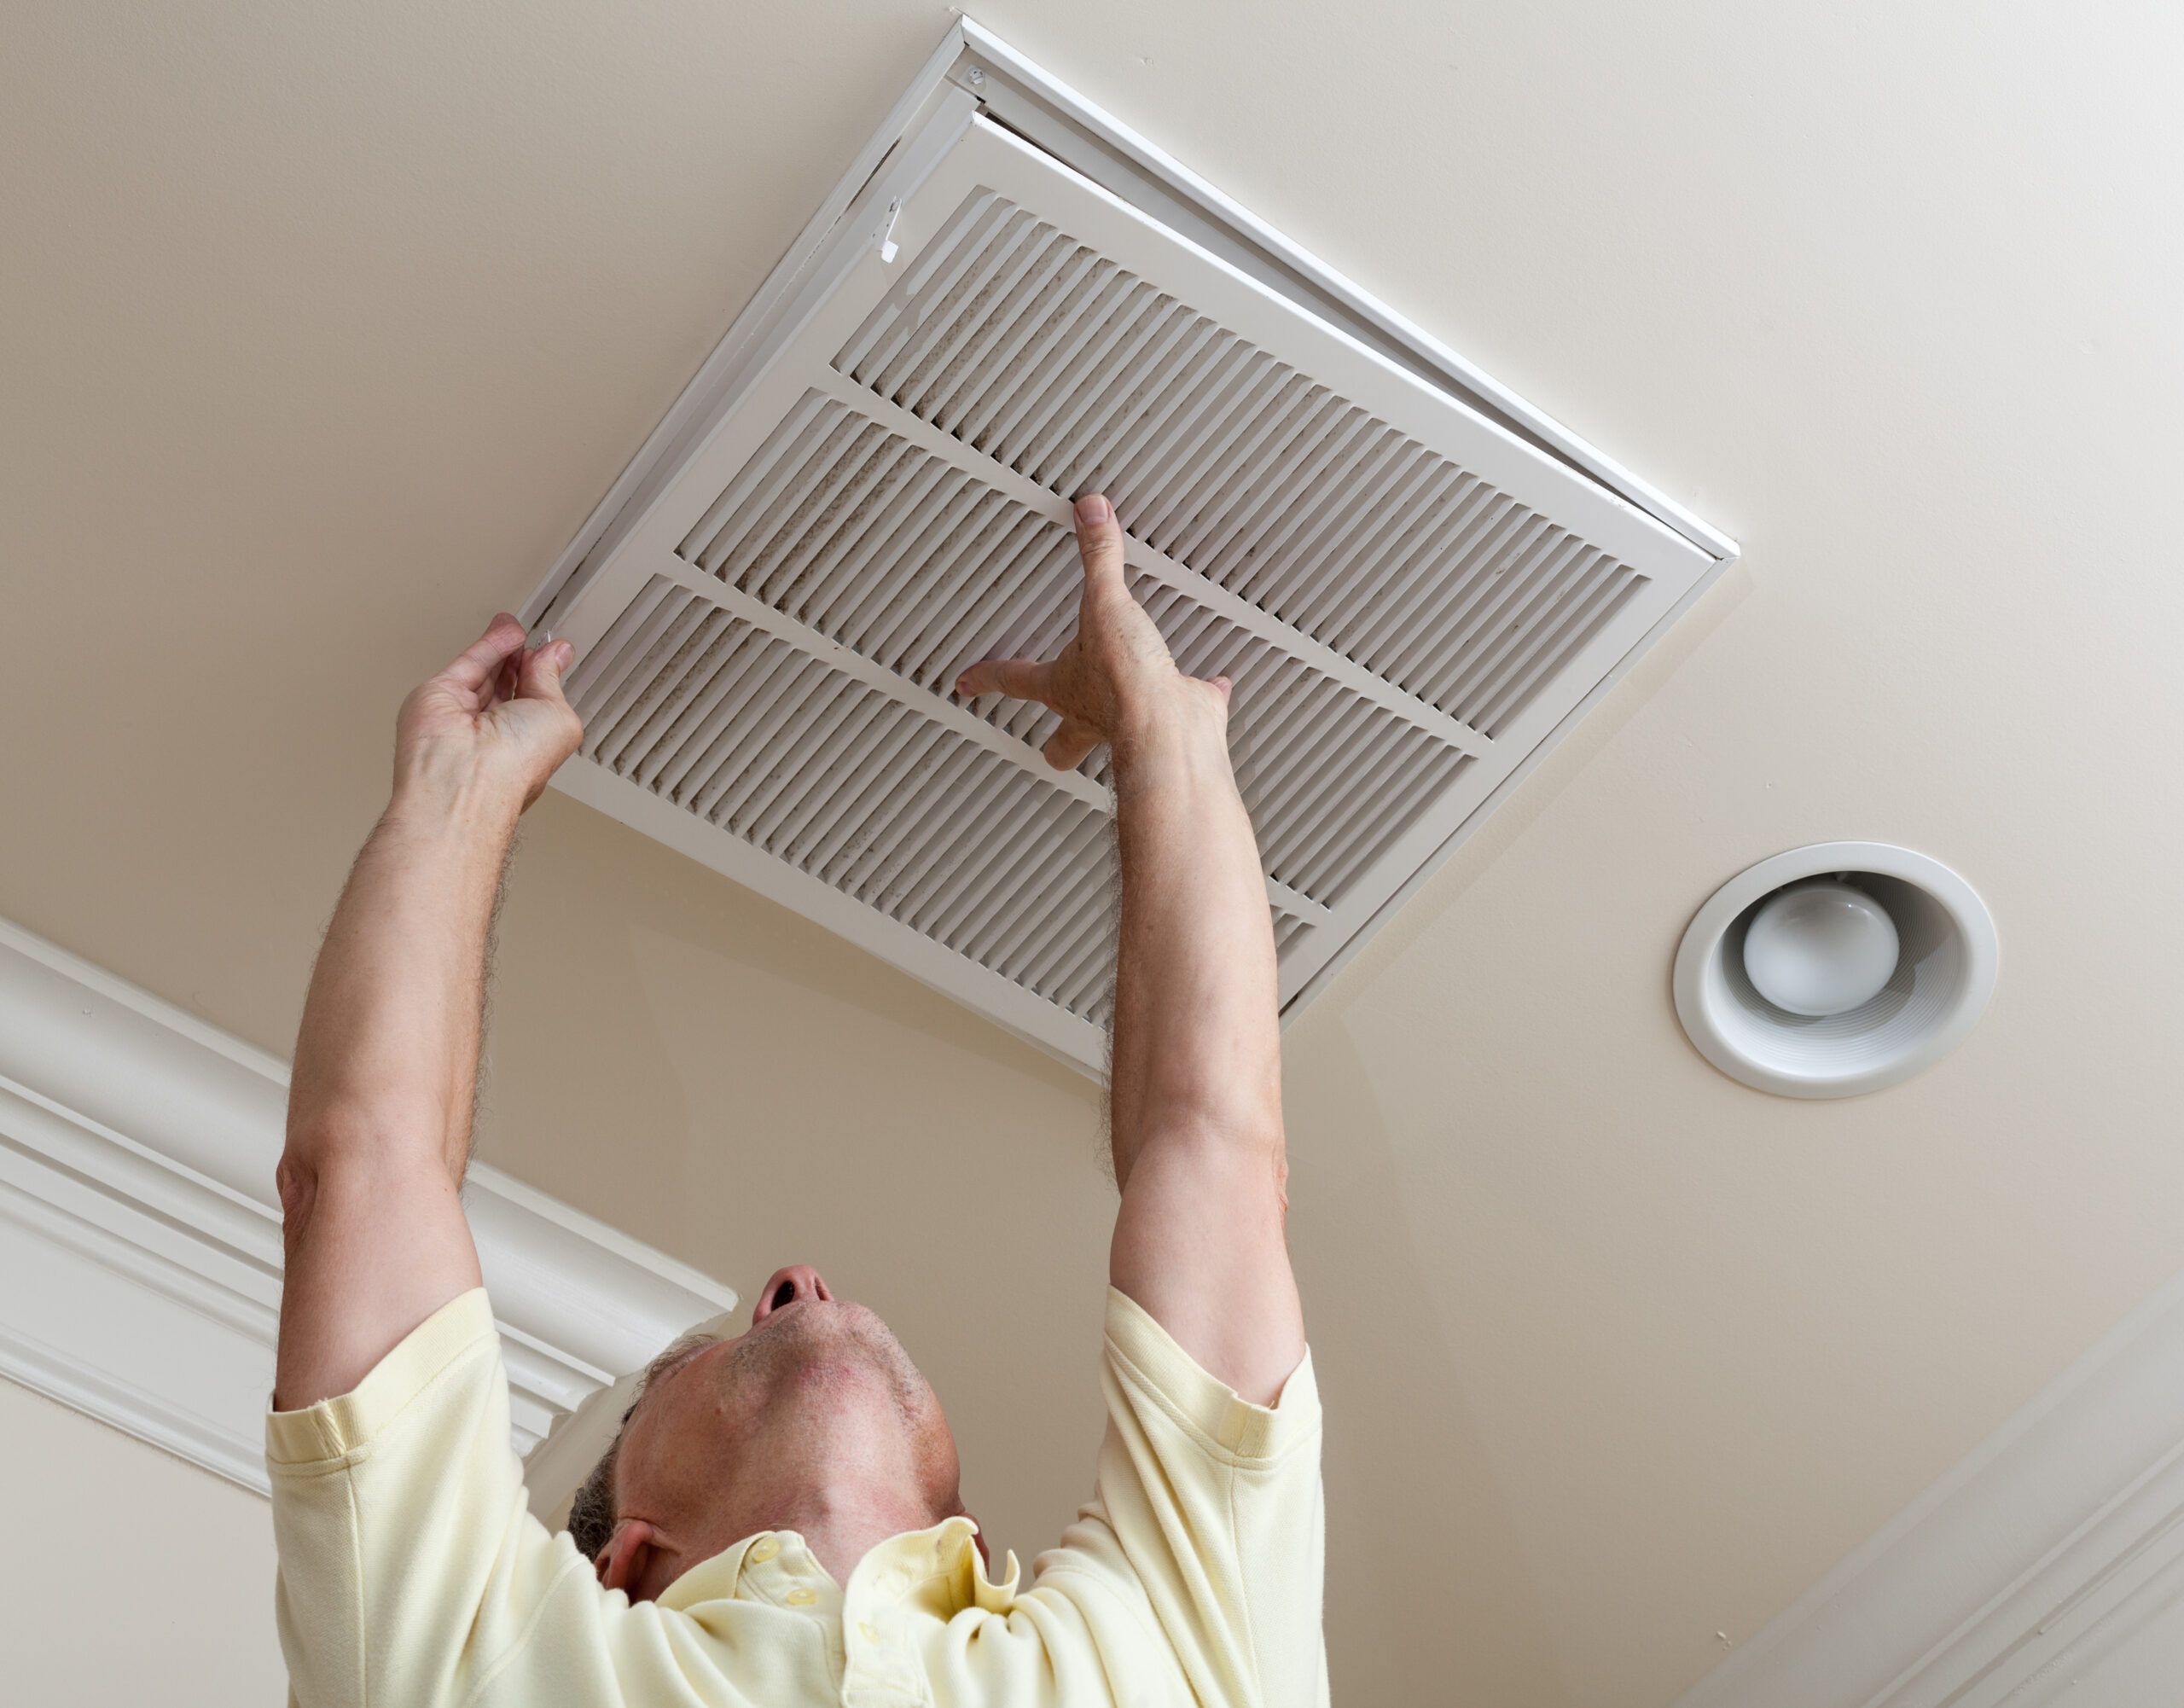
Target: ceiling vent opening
[1416, 582]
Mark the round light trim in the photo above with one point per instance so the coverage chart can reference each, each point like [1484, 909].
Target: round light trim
[1942, 976]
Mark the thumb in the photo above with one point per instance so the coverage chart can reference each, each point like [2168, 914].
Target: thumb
[540, 677]
[1100, 539]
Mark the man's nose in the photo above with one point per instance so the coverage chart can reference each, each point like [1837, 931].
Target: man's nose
[786, 1286]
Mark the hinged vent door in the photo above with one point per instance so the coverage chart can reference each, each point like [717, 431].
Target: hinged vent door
[1409, 598]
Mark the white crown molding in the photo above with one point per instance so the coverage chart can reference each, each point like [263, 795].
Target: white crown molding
[140, 1240]
[2058, 1541]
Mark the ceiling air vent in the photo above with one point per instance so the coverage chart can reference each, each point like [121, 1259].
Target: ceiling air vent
[1416, 581]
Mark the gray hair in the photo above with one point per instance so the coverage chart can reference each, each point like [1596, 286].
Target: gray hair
[593, 1513]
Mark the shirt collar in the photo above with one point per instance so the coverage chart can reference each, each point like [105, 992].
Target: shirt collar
[940, 1569]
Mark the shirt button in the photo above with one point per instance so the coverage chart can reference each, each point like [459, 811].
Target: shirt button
[765, 1548]
[867, 1630]
[802, 1598]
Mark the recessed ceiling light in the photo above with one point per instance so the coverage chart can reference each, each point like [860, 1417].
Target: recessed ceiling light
[1835, 969]
[1819, 949]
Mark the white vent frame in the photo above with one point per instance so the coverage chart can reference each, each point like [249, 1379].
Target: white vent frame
[980, 118]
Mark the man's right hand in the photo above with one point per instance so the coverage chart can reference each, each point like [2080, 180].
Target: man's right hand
[1115, 681]
[491, 728]
[1194, 1100]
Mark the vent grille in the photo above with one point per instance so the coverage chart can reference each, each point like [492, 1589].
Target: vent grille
[913, 564]
[1023, 343]
[853, 789]
[873, 492]
[1331, 779]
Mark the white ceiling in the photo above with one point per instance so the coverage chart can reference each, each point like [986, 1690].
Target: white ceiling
[322, 330]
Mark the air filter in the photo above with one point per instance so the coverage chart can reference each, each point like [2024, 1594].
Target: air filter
[1416, 583]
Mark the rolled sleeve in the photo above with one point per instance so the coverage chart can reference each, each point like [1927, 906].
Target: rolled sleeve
[1145, 1356]
[315, 1437]
[1206, 1531]
[408, 1557]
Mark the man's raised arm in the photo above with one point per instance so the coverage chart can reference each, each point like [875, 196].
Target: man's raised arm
[386, 1062]
[1196, 1099]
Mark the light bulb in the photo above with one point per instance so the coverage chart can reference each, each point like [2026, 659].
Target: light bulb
[1819, 949]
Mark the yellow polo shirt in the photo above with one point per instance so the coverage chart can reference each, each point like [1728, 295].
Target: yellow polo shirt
[412, 1574]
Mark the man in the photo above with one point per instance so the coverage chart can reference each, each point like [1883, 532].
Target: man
[779, 1522]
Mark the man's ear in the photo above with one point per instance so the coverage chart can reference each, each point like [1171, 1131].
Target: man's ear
[621, 1564]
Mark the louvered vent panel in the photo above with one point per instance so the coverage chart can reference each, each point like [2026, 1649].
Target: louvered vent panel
[912, 820]
[1408, 600]
[1330, 777]
[914, 565]
[1027, 345]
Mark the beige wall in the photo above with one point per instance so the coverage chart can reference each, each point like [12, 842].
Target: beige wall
[134, 1577]
[323, 328]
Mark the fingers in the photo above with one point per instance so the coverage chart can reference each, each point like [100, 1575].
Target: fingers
[1099, 540]
[1066, 748]
[480, 662]
[1019, 678]
[540, 672]
[552, 729]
